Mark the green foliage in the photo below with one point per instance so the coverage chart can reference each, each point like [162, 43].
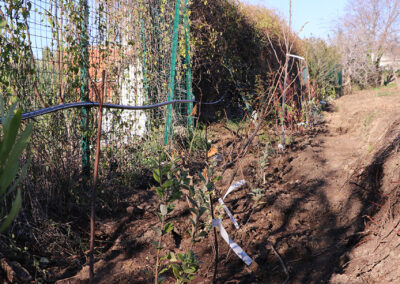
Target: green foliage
[198, 206]
[2, 22]
[263, 162]
[168, 191]
[12, 146]
[198, 141]
[16, 67]
[169, 188]
[183, 266]
[323, 64]
[257, 194]
[172, 180]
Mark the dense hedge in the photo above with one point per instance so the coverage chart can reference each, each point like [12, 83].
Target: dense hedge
[234, 51]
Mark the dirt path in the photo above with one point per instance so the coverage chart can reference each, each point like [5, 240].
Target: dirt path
[326, 200]
[318, 198]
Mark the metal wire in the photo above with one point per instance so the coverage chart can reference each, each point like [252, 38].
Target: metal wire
[56, 108]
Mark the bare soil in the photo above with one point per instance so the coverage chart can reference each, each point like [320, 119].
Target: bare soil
[330, 209]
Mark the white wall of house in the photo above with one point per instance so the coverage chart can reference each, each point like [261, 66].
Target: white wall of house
[128, 124]
[391, 58]
[132, 123]
[132, 93]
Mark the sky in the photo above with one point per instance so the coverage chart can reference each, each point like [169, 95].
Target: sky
[320, 15]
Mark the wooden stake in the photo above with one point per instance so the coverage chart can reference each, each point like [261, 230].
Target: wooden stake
[96, 173]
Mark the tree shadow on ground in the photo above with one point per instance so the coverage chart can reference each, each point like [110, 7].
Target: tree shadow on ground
[314, 240]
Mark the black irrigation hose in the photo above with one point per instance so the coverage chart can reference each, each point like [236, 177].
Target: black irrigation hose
[51, 109]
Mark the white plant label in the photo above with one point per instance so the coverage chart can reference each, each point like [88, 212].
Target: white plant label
[234, 246]
[234, 186]
[229, 213]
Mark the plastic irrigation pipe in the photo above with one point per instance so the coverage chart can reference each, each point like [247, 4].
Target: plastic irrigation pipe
[52, 109]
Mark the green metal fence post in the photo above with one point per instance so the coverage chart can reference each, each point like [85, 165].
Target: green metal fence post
[84, 69]
[189, 91]
[171, 83]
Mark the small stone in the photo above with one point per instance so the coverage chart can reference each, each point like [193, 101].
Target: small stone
[130, 210]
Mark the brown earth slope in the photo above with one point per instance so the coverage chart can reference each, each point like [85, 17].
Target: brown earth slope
[329, 209]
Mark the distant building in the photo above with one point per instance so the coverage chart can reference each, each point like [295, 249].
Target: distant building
[391, 58]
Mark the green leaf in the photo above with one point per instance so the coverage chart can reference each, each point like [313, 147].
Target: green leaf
[217, 178]
[10, 129]
[175, 270]
[156, 175]
[194, 210]
[168, 228]
[202, 177]
[194, 203]
[202, 211]
[165, 269]
[165, 169]
[172, 257]
[10, 170]
[175, 196]
[6, 117]
[168, 183]
[23, 173]
[159, 192]
[21, 144]
[13, 213]
[7, 176]
[159, 216]
[185, 186]
[2, 23]
[190, 270]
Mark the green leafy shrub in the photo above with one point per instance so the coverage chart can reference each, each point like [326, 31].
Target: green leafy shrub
[323, 66]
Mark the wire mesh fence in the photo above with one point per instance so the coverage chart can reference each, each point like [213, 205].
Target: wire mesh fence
[54, 51]
[131, 40]
[69, 43]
